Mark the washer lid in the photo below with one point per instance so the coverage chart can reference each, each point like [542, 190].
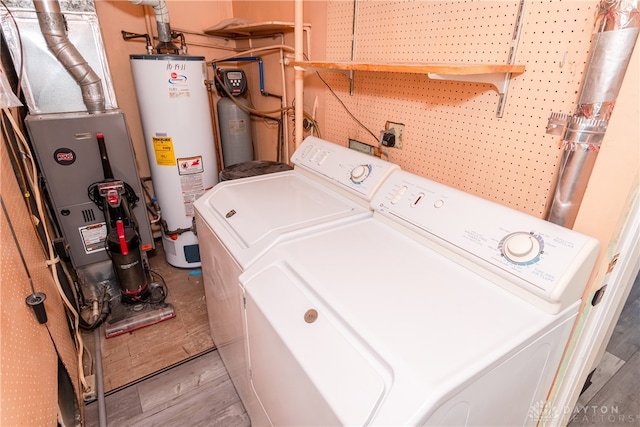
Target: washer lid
[303, 354]
[249, 215]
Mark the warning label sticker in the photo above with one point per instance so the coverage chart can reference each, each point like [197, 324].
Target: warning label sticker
[191, 182]
[163, 148]
[93, 237]
[190, 165]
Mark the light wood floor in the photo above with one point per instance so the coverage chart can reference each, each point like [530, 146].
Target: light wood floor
[168, 374]
[199, 392]
[128, 358]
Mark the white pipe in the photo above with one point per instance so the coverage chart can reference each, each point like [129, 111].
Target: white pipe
[285, 102]
[150, 24]
[299, 73]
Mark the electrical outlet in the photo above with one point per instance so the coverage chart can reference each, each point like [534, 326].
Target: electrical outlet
[399, 132]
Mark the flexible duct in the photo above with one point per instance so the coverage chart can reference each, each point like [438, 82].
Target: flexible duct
[165, 44]
[53, 27]
[617, 28]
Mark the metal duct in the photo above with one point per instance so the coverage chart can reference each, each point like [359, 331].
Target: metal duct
[617, 28]
[165, 43]
[53, 27]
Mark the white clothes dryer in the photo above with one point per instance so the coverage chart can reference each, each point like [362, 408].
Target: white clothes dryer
[239, 220]
[442, 309]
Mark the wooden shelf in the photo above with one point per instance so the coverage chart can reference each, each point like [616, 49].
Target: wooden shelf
[251, 30]
[497, 75]
[439, 69]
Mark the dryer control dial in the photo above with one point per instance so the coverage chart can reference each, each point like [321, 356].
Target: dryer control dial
[521, 247]
[360, 173]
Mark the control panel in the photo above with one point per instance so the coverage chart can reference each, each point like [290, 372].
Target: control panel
[544, 258]
[351, 170]
[234, 81]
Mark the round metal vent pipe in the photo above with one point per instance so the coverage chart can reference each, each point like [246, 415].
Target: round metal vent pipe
[54, 30]
[617, 28]
[165, 43]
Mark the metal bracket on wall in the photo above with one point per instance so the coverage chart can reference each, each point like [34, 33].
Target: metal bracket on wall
[512, 59]
[354, 39]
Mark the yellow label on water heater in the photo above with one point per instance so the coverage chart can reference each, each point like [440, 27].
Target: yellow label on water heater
[163, 147]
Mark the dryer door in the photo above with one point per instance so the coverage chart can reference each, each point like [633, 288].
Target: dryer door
[307, 368]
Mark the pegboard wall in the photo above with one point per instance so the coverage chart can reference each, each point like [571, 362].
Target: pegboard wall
[452, 133]
[29, 350]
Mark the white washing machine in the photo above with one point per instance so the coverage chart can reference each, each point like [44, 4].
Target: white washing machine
[441, 309]
[239, 220]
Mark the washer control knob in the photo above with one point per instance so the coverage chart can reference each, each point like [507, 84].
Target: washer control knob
[360, 173]
[521, 247]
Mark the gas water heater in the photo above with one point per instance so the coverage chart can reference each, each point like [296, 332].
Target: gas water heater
[176, 122]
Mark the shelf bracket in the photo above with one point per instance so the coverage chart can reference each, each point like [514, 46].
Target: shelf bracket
[500, 81]
[349, 74]
[503, 95]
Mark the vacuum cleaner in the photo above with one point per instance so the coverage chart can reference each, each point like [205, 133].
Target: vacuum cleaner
[141, 301]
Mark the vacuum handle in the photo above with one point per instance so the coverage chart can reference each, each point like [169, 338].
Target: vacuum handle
[124, 249]
[106, 165]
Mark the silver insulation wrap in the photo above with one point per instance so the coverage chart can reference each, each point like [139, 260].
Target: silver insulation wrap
[53, 27]
[617, 28]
